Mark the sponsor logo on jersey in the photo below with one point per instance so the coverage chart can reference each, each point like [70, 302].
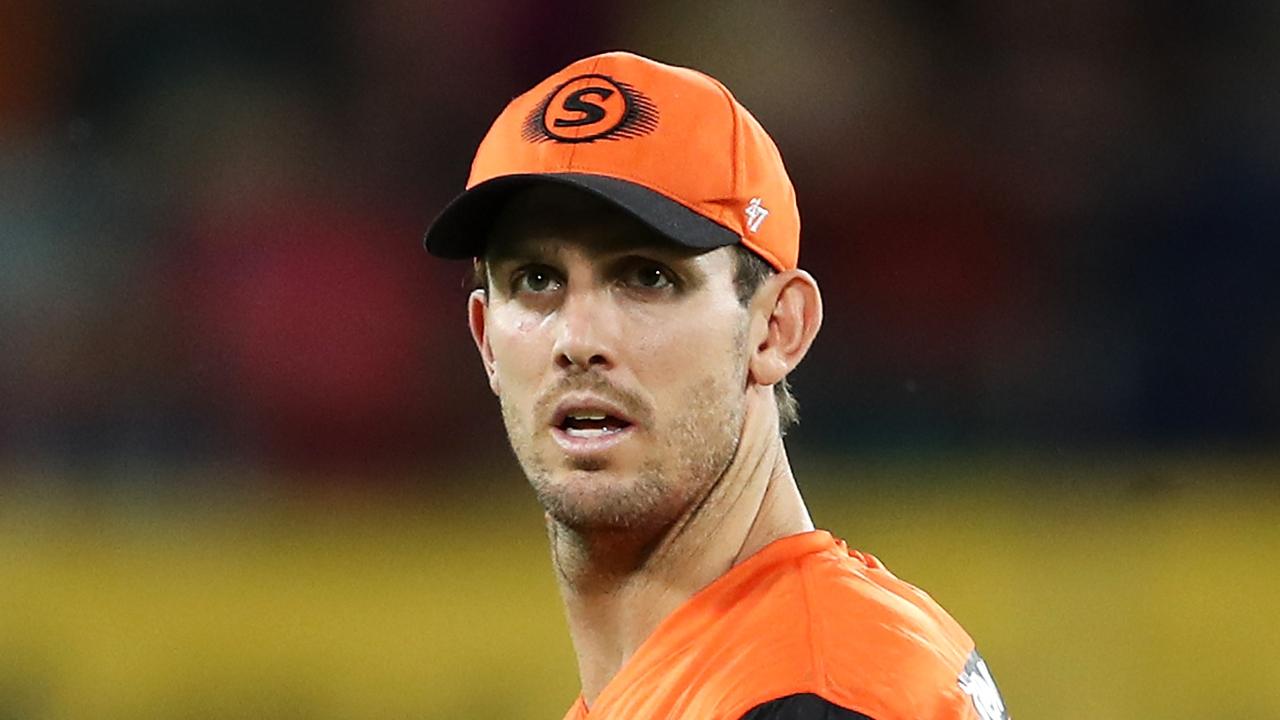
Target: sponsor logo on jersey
[588, 108]
[976, 681]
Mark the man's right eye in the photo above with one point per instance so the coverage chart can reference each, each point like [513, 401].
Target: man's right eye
[535, 280]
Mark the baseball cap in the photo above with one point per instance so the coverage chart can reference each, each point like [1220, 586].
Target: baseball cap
[669, 145]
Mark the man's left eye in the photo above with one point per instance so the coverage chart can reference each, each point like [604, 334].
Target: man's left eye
[651, 276]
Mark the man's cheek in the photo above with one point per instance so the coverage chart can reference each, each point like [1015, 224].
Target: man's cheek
[516, 354]
[691, 356]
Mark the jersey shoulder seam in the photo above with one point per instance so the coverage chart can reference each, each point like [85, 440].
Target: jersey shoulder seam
[813, 624]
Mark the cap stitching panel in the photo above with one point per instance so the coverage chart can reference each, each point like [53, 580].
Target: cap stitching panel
[726, 216]
[739, 163]
[734, 148]
[573, 151]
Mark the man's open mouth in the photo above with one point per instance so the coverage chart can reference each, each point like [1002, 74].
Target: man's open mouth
[592, 424]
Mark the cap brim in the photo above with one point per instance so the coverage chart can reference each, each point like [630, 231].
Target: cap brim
[462, 228]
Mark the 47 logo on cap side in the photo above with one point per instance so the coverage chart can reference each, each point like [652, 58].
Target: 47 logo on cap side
[589, 108]
[756, 213]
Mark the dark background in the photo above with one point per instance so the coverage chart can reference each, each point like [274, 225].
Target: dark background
[1033, 223]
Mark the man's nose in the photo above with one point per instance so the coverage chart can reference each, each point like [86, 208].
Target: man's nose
[588, 332]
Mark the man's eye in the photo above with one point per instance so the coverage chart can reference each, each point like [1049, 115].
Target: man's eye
[652, 277]
[535, 280]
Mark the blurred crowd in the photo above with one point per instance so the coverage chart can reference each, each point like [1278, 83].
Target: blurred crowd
[1045, 223]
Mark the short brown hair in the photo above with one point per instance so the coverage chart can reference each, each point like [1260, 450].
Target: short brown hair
[750, 271]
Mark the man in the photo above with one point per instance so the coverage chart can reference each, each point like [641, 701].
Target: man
[638, 309]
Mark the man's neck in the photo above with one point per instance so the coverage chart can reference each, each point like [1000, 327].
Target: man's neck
[618, 587]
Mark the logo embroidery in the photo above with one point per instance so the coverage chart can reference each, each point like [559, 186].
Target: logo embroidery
[756, 213]
[976, 681]
[589, 108]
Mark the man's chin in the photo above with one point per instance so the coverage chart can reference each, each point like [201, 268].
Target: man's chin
[598, 500]
[589, 464]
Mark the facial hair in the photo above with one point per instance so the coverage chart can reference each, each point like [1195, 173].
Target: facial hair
[687, 450]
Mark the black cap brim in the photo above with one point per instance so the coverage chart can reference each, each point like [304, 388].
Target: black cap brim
[462, 228]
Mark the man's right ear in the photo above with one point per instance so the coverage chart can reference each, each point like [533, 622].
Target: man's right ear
[477, 309]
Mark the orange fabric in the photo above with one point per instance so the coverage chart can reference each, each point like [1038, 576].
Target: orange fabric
[804, 615]
[674, 130]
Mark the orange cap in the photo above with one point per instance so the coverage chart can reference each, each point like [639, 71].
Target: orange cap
[667, 144]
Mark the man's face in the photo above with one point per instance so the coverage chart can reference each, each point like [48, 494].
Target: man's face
[619, 359]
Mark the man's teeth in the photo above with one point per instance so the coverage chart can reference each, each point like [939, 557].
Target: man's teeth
[590, 432]
[588, 417]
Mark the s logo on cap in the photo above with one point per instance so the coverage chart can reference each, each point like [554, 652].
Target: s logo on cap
[589, 108]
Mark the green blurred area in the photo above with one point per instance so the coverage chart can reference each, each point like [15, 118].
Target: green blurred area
[1101, 587]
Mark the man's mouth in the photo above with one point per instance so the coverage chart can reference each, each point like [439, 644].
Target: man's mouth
[586, 425]
[592, 424]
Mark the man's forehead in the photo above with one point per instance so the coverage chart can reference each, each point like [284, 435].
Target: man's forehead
[546, 218]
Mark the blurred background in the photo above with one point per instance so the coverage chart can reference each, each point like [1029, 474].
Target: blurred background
[249, 465]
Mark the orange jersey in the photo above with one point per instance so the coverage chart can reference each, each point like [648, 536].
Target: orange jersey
[805, 617]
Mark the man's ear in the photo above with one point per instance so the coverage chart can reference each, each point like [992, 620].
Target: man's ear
[786, 313]
[477, 309]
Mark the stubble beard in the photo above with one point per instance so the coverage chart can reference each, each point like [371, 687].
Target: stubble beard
[693, 449]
